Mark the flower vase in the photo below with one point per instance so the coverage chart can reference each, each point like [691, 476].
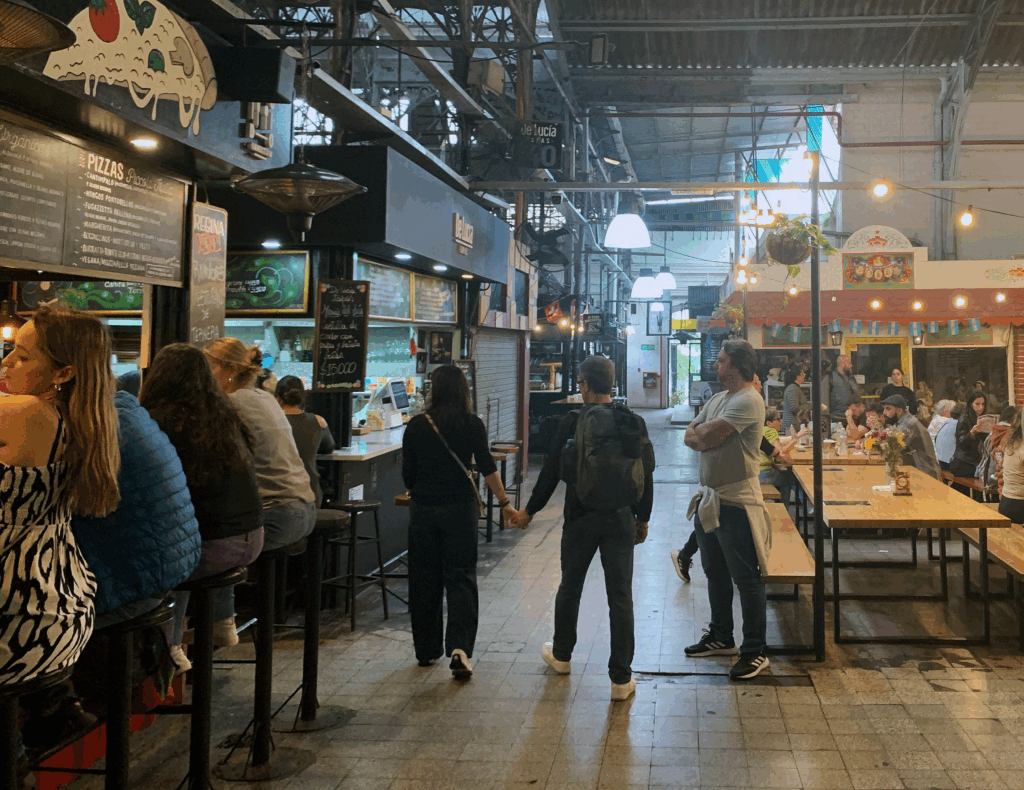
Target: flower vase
[891, 465]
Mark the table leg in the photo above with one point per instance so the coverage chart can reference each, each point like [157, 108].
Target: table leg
[835, 586]
[987, 614]
[501, 520]
[967, 569]
[943, 573]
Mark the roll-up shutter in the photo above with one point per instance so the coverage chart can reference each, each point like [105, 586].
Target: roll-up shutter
[497, 381]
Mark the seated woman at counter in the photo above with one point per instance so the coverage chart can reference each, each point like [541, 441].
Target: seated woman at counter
[437, 449]
[215, 445]
[288, 511]
[312, 436]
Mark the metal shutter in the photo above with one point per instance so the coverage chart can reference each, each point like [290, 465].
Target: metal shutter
[497, 381]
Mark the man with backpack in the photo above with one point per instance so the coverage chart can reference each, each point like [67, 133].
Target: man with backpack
[607, 461]
[729, 516]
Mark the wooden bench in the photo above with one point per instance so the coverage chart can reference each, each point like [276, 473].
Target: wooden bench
[1005, 549]
[970, 483]
[770, 493]
[790, 561]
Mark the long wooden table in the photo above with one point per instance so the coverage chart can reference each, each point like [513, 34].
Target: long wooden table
[804, 457]
[849, 501]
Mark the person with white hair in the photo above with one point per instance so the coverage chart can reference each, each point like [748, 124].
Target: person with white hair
[941, 417]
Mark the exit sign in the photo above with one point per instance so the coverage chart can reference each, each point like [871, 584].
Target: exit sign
[647, 347]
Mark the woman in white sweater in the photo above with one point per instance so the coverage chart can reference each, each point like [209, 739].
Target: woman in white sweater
[1011, 501]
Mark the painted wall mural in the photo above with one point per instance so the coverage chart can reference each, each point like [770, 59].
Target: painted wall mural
[142, 46]
[873, 270]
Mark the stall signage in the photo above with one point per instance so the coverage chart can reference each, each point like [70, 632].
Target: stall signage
[435, 300]
[462, 233]
[342, 322]
[593, 324]
[206, 276]
[267, 282]
[85, 212]
[538, 145]
[97, 296]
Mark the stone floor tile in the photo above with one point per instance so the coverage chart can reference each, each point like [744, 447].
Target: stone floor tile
[976, 780]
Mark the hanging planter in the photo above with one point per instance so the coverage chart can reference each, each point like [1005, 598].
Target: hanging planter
[790, 242]
[785, 250]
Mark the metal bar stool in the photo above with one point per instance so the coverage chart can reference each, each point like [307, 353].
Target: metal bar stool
[330, 523]
[202, 673]
[9, 695]
[352, 580]
[258, 765]
[511, 448]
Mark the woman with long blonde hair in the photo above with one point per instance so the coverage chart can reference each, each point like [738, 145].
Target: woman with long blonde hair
[58, 455]
[288, 510]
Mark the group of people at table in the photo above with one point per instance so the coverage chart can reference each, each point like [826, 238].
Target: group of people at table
[109, 501]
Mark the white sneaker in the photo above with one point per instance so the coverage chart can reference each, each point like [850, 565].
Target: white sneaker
[621, 691]
[561, 667]
[460, 666]
[181, 662]
[224, 633]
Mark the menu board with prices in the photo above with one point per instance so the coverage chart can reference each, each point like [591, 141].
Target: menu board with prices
[96, 296]
[206, 276]
[267, 282]
[342, 322]
[85, 212]
[435, 300]
[390, 294]
[32, 203]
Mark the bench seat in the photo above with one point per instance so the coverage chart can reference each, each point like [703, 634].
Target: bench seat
[790, 561]
[770, 493]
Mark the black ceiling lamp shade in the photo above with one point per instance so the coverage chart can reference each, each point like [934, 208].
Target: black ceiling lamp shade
[300, 191]
[24, 32]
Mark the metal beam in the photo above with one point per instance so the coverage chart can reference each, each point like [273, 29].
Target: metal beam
[787, 23]
[799, 76]
[696, 187]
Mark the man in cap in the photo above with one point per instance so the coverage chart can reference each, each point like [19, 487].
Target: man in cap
[918, 450]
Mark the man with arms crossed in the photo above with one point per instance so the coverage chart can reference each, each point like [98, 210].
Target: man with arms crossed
[728, 511]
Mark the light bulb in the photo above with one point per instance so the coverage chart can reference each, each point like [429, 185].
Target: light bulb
[7, 332]
[741, 277]
[536, 328]
[1000, 297]
[631, 330]
[743, 260]
[564, 322]
[875, 304]
[271, 244]
[881, 189]
[960, 302]
[966, 219]
[753, 279]
[793, 290]
[917, 305]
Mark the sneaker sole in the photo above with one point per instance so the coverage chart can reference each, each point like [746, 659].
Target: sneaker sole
[723, 651]
[675, 567]
[749, 675]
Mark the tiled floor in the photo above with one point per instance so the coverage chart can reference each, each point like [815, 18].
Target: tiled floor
[866, 719]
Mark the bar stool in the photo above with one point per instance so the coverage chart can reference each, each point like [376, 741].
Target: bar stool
[258, 765]
[120, 659]
[352, 580]
[9, 695]
[202, 673]
[330, 523]
[511, 447]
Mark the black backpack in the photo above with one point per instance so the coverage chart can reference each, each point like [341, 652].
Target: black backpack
[604, 459]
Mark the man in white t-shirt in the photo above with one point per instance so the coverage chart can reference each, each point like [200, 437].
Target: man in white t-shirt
[729, 516]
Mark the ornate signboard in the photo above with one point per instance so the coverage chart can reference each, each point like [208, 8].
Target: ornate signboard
[867, 271]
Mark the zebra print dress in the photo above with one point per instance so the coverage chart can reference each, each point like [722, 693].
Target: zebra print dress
[46, 588]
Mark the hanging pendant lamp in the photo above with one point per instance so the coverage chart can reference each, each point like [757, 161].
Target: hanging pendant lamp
[628, 230]
[300, 191]
[24, 32]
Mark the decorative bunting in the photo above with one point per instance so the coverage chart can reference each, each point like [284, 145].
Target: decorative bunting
[776, 330]
[794, 334]
[893, 328]
[856, 327]
[915, 328]
[875, 328]
[974, 324]
[834, 326]
[954, 328]
[933, 327]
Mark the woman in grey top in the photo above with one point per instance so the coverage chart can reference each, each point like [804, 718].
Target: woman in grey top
[793, 398]
[288, 510]
[312, 436]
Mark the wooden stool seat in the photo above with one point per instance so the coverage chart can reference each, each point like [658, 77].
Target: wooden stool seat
[352, 580]
[403, 500]
[226, 579]
[359, 506]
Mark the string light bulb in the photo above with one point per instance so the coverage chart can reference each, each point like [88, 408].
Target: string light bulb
[881, 189]
[966, 219]
[741, 277]
[753, 279]
[793, 291]
[960, 302]
[917, 304]
[875, 304]
[564, 322]
[1000, 297]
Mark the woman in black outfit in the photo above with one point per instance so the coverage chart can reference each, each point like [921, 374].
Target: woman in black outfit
[312, 436]
[443, 517]
[898, 387]
[969, 439]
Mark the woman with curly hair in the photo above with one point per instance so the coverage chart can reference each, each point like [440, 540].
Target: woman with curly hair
[215, 446]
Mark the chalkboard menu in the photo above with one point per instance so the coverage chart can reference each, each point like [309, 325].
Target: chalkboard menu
[435, 300]
[267, 282]
[468, 366]
[390, 292]
[87, 212]
[342, 321]
[96, 296]
[206, 276]
[709, 355]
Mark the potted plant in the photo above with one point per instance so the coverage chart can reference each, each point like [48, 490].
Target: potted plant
[789, 241]
[732, 314]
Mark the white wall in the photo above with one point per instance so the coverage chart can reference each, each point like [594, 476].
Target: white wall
[640, 360]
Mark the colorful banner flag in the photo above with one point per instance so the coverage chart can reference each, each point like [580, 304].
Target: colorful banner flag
[933, 327]
[915, 328]
[875, 328]
[974, 324]
[954, 328]
[794, 334]
[856, 327]
[893, 328]
[835, 326]
[776, 330]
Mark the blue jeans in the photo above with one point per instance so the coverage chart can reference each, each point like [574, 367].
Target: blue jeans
[728, 556]
[442, 562]
[782, 479]
[613, 535]
[282, 525]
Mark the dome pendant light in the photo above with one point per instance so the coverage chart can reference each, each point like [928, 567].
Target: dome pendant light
[628, 230]
[25, 32]
[665, 280]
[645, 286]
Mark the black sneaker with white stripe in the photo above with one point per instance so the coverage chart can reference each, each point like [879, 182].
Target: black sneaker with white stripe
[747, 667]
[711, 647]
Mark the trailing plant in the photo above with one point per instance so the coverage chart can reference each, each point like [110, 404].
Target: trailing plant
[732, 314]
[790, 241]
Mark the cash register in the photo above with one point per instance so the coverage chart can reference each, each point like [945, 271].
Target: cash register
[391, 401]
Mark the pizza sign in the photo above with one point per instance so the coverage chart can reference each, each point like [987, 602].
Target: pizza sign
[142, 46]
[875, 270]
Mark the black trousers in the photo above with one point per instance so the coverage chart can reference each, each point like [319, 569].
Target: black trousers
[442, 562]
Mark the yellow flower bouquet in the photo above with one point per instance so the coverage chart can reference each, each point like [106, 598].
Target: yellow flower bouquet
[890, 446]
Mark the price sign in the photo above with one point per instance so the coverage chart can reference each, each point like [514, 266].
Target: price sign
[207, 273]
[538, 145]
[342, 321]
